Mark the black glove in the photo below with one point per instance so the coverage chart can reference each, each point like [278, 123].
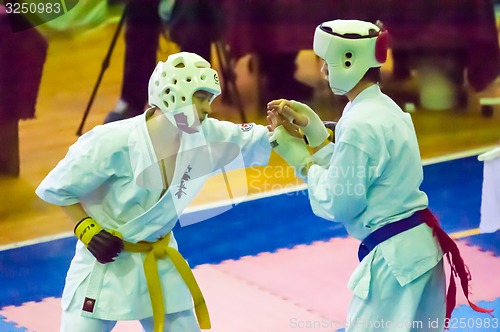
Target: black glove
[328, 125]
[101, 243]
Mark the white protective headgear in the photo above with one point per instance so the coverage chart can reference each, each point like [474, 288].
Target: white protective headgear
[349, 48]
[173, 83]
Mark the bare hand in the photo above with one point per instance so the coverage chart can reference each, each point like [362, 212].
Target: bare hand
[275, 119]
[283, 107]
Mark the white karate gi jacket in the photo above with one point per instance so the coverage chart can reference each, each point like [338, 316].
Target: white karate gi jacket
[370, 177]
[113, 172]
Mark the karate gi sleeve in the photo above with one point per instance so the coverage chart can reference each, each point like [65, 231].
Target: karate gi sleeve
[85, 167]
[337, 191]
[252, 139]
[323, 156]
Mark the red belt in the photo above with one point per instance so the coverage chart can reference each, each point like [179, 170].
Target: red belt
[457, 265]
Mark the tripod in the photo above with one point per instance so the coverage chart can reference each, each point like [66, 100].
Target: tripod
[104, 66]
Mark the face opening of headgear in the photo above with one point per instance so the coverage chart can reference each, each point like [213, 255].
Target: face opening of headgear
[173, 83]
[349, 48]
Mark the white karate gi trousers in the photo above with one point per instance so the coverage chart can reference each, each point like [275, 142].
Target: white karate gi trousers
[417, 306]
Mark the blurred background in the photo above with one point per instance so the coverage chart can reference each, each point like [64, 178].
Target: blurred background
[63, 77]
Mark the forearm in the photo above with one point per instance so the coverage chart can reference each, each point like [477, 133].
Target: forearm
[334, 196]
[251, 138]
[75, 212]
[257, 151]
[321, 156]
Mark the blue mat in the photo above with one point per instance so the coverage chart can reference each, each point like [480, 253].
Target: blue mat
[9, 327]
[34, 272]
[464, 319]
[454, 189]
[486, 242]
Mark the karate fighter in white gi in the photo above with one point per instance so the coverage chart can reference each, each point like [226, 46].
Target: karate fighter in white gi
[369, 181]
[125, 185]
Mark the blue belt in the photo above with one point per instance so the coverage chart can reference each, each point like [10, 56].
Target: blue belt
[388, 231]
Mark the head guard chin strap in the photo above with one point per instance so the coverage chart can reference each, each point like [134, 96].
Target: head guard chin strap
[349, 48]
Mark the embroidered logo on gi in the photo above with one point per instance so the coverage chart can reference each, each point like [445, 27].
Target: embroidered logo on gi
[246, 126]
[88, 305]
[181, 187]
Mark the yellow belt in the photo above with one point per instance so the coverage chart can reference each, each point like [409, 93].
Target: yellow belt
[158, 250]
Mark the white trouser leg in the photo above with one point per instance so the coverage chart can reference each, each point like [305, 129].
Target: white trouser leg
[392, 308]
[73, 321]
[176, 322]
